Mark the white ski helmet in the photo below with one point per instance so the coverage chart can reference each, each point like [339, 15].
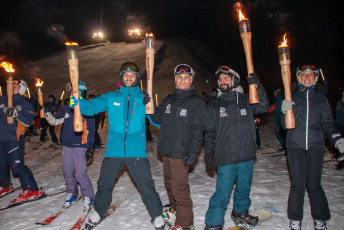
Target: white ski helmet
[23, 87]
[226, 70]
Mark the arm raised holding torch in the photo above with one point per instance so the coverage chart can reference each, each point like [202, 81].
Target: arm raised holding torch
[73, 62]
[284, 59]
[9, 88]
[150, 49]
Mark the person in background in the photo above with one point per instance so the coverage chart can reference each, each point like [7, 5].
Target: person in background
[50, 107]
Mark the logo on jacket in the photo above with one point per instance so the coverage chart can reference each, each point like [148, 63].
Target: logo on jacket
[183, 113]
[116, 104]
[168, 108]
[243, 112]
[223, 112]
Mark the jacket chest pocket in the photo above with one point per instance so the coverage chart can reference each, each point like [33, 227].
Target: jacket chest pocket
[136, 118]
[116, 114]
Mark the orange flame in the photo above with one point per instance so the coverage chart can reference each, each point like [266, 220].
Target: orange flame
[39, 82]
[71, 44]
[241, 16]
[7, 66]
[149, 35]
[284, 44]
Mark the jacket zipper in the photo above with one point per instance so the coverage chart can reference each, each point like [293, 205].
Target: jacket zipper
[126, 126]
[307, 118]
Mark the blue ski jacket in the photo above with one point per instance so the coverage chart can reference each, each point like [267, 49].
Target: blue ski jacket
[126, 117]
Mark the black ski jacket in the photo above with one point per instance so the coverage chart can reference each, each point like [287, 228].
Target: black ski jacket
[181, 116]
[230, 131]
[313, 118]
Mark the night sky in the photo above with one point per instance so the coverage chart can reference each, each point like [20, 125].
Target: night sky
[312, 28]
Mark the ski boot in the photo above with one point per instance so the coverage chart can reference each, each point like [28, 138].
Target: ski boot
[178, 227]
[159, 223]
[27, 195]
[87, 204]
[4, 191]
[217, 227]
[93, 221]
[244, 220]
[170, 216]
[295, 225]
[71, 198]
[320, 225]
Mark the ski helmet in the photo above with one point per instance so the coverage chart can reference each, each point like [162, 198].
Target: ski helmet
[304, 68]
[82, 88]
[23, 87]
[129, 67]
[226, 70]
[52, 96]
[184, 68]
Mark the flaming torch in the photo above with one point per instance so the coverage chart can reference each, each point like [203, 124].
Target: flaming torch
[284, 58]
[39, 92]
[73, 61]
[0, 91]
[245, 32]
[150, 49]
[9, 87]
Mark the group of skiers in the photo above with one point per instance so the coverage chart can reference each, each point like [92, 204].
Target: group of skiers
[226, 123]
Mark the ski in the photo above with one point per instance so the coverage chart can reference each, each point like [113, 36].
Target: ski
[28, 201]
[54, 216]
[13, 190]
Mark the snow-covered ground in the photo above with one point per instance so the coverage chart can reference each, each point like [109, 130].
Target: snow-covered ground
[99, 69]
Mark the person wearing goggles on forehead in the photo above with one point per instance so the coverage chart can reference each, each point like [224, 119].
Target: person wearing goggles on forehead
[181, 118]
[12, 145]
[126, 144]
[230, 144]
[305, 147]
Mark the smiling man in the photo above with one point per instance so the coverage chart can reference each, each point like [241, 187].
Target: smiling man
[181, 116]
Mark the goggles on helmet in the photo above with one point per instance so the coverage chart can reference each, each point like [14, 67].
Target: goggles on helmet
[82, 86]
[129, 66]
[226, 70]
[16, 82]
[184, 68]
[69, 87]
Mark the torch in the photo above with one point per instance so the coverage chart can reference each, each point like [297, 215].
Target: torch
[9, 87]
[73, 61]
[0, 91]
[284, 59]
[245, 32]
[150, 49]
[39, 92]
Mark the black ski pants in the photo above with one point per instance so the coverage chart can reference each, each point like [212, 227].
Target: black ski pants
[306, 170]
[139, 169]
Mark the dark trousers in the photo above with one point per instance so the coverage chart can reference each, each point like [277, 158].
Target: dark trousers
[12, 157]
[45, 126]
[139, 169]
[178, 190]
[306, 170]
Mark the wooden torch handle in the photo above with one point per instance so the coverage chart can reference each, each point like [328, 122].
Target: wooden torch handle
[40, 102]
[9, 88]
[150, 68]
[74, 78]
[246, 41]
[286, 77]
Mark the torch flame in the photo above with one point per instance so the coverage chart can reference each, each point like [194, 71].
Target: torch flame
[241, 16]
[7, 66]
[71, 44]
[149, 35]
[284, 44]
[39, 82]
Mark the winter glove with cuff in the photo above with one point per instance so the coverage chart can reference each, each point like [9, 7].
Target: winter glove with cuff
[253, 79]
[340, 146]
[210, 161]
[189, 160]
[12, 112]
[286, 105]
[73, 101]
[146, 99]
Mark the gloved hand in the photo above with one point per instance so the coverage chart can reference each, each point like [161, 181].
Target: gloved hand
[340, 145]
[146, 99]
[286, 105]
[11, 112]
[39, 107]
[253, 79]
[89, 154]
[73, 101]
[210, 161]
[189, 160]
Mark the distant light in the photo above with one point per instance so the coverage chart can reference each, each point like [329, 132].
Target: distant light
[206, 81]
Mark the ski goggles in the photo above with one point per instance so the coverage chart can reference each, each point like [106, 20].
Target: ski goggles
[69, 87]
[226, 70]
[184, 68]
[16, 82]
[129, 66]
[82, 87]
[307, 67]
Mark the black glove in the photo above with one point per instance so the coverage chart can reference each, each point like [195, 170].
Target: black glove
[253, 79]
[39, 107]
[89, 154]
[12, 112]
[210, 162]
[189, 160]
[146, 99]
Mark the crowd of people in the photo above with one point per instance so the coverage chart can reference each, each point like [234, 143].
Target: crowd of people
[225, 123]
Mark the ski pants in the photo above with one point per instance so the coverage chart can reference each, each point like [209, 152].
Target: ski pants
[281, 135]
[45, 126]
[12, 157]
[305, 171]
[74, 170]
[227, 175]
[139, 169]
[178, 190]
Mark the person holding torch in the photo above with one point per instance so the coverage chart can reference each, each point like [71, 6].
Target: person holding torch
[12, 145]
[126, 144]
[305, 147]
